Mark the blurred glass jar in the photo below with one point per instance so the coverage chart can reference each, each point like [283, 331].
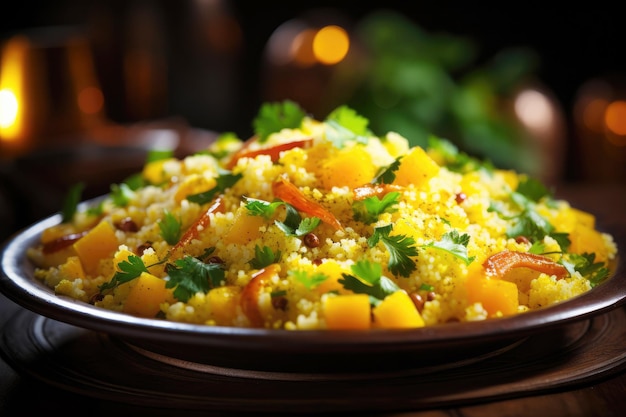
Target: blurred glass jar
[600, 129]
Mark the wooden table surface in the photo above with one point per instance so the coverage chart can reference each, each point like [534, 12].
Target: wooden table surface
[604, 397]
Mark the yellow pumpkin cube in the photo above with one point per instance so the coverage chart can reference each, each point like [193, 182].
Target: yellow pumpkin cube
[98, 244]
[146, 295]
[397, 311]
[348, 312]
[416, 168]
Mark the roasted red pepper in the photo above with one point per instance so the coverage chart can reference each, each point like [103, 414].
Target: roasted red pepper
[502, 262]
[289, 193]
[273, 151]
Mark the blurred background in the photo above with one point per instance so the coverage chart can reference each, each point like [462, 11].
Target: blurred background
[87, 88]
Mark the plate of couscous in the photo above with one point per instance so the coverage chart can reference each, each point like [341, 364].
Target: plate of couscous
[317, 237]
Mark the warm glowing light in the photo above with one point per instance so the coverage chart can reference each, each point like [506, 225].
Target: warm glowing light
[534, 110]
[331, 44]
[593, 114]
[90, 100]
[12, 89]
[302, 48]
[615, 119]
[8, 108]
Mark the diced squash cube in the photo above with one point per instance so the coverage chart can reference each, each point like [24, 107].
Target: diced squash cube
[496, 296]
[350, 167]
[333, 271]
[223, 302]
[98, 244]
[193, 184]
[154, 172]
[587, 240]
[416, 168]
[245, 228]
[348, 312]
[146, 295]
[397, 311]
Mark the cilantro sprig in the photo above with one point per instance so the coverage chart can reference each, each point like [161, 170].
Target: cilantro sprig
[368, 279]
[586, 265]
[273, 117]
[190, 275]
[170, 228]
[368, 209]
[400, 247]
[309, 280]
[292, 225]
[130, 269]
[224, 180]
[264, 256]
[70, 202]
[454, 243]
[344, 124]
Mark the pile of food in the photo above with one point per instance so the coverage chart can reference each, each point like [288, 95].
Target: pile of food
[315, 224]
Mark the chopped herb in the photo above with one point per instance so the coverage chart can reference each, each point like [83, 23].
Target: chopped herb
[224, 180]
[190, 275]
[129, 270]
[293, 225]
[70, 203]
[368, 210]
[368, 279]
[532, 189]
[454, 243]
[310, 281]
[344, 124]
[400, 248]
[264, 256]
[121, 194]
[455, 160]
[273, 117]
[159, 155]
[585, 264]
[388, 174]
[170, 228]
[262, 208]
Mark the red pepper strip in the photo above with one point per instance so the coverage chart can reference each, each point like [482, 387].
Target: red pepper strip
[250, 294]
[371, 190]
[200, 224]
[62, 242]
[273, 151]
[502, 262]
[289, 193]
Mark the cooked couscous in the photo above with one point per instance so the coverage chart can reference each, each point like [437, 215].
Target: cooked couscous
[316, 224]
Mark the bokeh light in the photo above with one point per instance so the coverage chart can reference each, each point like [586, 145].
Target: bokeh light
[331, 44]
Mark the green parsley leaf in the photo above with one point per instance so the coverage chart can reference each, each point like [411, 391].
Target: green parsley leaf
[400, 248]
[454, 243]
[129, 270]
[70, 202]
[190, 275]
[585, 264]
[532, 189]
[264, 256]
[158, 155]
[273, 117]
[310, 281]
[121, 194]
[224, 180]
[367, 279]
[170, 228]
[349, 119]
[262, 208]
[368, 209]
[388, 174]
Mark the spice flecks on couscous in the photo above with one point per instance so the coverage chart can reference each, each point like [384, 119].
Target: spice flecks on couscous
[323, 225]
